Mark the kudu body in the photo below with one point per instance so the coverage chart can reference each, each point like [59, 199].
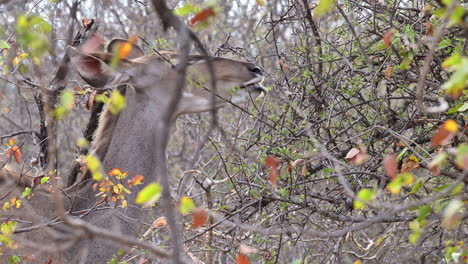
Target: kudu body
[127, 142]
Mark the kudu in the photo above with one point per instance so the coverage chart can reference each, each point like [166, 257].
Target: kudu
[126, 142]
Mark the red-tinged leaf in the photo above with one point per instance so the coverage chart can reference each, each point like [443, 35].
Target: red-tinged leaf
[388, 72]
[391, 165]
[272, 162]
[95, 186]
[93, 44]
[199, 217]
[202, 15]
[387, 39]
[444, 134]
[429, 28]
[273, 176]
[242, 259]
[114, 172]
[138, 179]
[16, 152]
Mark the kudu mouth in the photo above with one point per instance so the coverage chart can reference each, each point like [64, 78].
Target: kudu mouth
[254, 85]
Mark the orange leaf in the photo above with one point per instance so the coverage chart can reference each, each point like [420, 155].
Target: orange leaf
[387, 39]
[124, 50]
[114, 172]
[242, 259]
[391, 165]
[136, 180]
[202, 15]
[388, 72]
[16, 153]
[199, 217]
[445, 133]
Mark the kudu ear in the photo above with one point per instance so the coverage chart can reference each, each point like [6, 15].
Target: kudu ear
[136, 51]
[92, 69]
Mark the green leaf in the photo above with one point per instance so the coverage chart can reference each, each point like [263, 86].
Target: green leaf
[186, 205]
[364, 195]
[405, 64]
[423, 212]
[117, 103]
[26, 192]
[185, 10]
[399, 182]
[149, 195]
[4, 44]
[462, 156]
[323, 7]
[94, 166]
[419, 183]
[14, 260]
[458, 189]
[415, 226]
[445, 43]
[8, 227]
[32, 34]
[454, 59]
[44, 180]
[67, 102]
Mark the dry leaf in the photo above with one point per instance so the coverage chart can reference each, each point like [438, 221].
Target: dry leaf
[293, 165]
[356, 156]
[16, 153]
[246, 250]
[304, 169]
[388, 72]
[410, 164]
[159, 223]
[90, 103]
[283, 64]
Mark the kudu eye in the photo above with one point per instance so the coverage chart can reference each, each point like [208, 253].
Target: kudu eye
[256, 70]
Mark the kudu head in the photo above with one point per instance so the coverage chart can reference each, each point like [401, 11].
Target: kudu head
[127, 141]
[156, 76]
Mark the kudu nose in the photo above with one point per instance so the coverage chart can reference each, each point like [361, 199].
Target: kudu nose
[256, 70]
